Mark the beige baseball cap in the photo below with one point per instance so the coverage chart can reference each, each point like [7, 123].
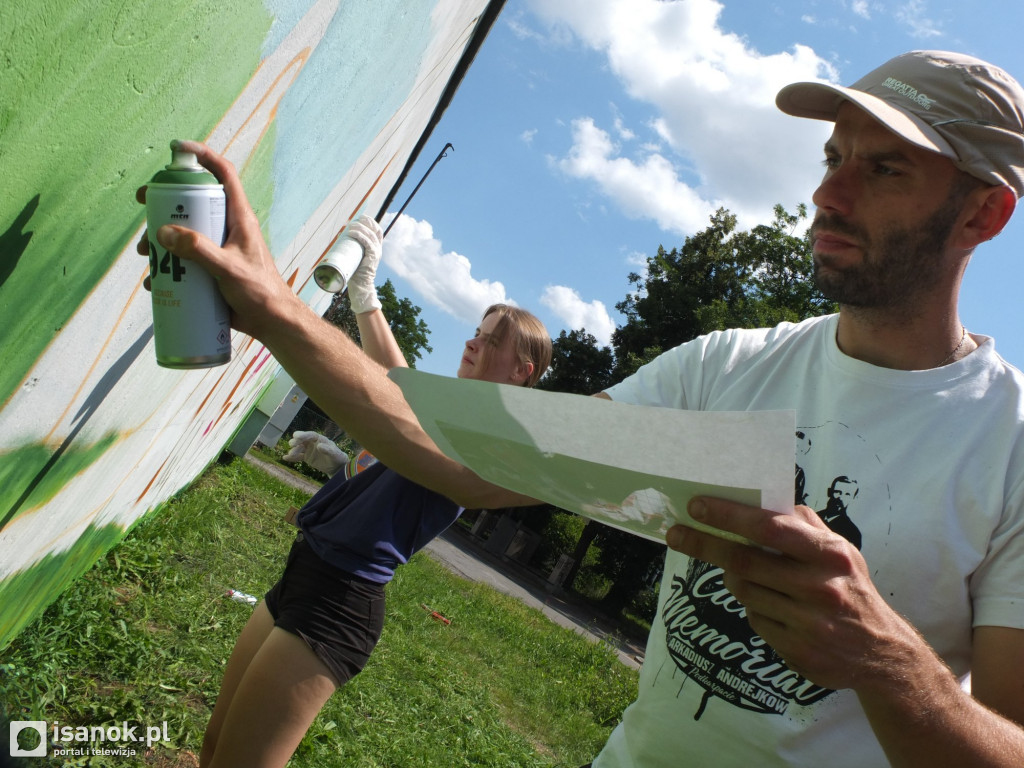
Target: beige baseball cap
[963, 108]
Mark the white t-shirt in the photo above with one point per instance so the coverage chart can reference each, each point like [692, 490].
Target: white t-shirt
[923, 470]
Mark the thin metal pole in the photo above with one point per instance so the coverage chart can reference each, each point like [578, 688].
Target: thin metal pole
[443, 153]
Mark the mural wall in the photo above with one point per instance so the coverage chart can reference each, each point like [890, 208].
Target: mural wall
[321, 104]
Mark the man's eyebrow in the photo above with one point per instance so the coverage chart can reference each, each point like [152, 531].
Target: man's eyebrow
[893, 156]
[890, 156]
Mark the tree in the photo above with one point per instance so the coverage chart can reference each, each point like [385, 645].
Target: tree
[403, 316]
[578, 365]
[627, 561]
[719, 279]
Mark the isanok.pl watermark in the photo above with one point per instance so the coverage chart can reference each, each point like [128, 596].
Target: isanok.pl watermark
[36, 738]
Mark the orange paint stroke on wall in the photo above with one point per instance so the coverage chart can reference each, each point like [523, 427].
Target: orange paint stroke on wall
[152, 480]
[294, 67]
[257, 362]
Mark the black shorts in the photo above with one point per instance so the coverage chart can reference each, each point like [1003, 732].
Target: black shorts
[340, 616]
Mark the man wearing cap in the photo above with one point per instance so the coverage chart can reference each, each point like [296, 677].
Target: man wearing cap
[853, 639]
[896, 638]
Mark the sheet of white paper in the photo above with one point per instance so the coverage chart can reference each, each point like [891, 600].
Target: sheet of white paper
[632, 467]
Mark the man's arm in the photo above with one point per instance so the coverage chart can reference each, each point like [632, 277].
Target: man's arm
[925, 719]
[326, 364]
[808, 593]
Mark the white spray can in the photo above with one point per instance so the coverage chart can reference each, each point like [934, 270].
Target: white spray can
[191, 320]
[333, 273]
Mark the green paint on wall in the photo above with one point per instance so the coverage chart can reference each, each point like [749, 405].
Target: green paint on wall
[93, 92]
[26, 594]
[33, 474]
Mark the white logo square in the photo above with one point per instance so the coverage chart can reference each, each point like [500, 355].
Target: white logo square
[17, 726]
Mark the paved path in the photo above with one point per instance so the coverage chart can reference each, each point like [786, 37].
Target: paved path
[460, 554]
[284, 474]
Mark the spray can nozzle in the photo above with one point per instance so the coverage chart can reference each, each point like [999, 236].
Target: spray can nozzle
[183, 161]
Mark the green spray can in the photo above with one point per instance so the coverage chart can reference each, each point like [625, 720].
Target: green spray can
[191, 320]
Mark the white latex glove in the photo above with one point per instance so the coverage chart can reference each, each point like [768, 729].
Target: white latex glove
[362, 294]
[317, 451]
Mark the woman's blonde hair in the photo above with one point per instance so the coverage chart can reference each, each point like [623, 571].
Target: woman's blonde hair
[530, 339]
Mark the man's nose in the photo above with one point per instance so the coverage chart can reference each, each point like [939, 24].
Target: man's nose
[836, 191]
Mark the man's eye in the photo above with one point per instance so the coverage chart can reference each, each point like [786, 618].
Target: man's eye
[831, 163]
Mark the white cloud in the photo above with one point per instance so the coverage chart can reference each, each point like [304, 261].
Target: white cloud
[637, 259]
[521, 30]
[443, 279]
[726, 142]
[649, 188]
[638, 263]
[860, 7]
[624, 133]
[914, 15]
[527, 136]
[566, 304]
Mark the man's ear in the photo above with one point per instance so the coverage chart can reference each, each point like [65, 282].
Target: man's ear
[988, 209]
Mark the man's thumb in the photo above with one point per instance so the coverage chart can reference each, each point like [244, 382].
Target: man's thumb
[167, 236]
[184, 242]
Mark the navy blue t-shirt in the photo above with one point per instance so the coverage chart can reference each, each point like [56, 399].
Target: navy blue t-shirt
[373, 523]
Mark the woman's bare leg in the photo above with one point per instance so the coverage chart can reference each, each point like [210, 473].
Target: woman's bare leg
[283, 688]
[253, 634]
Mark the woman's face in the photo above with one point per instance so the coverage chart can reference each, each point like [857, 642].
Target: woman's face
[502, 366]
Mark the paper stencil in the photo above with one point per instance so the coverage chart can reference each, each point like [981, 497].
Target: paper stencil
[632, 467]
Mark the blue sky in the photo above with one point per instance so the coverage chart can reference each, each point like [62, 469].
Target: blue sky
[589, 132]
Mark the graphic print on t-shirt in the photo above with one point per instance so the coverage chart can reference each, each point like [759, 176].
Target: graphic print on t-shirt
[706, 629]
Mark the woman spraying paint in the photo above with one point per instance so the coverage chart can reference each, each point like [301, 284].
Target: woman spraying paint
[317, 626]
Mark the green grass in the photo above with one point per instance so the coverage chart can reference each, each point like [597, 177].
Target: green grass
[144, 635]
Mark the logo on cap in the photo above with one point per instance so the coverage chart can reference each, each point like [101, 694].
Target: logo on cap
[909, 91]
